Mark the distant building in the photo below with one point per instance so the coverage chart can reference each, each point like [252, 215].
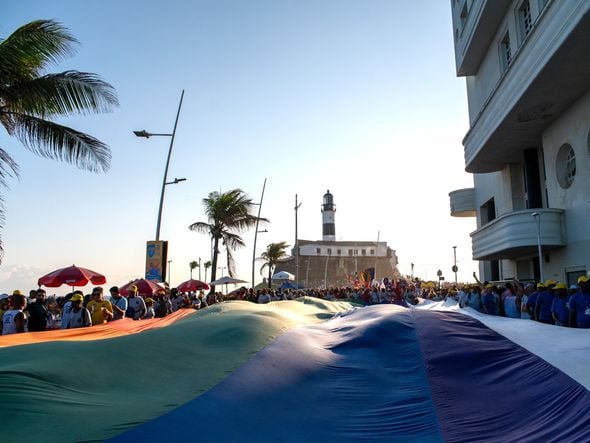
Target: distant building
[328, 262]
[527, 71]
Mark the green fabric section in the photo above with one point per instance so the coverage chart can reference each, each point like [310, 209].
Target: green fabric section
[93, 390]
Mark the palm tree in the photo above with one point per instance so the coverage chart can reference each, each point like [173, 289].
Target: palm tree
[206, 265]
[30, 98]
[273, 254]
[193, 265]
[228, 214]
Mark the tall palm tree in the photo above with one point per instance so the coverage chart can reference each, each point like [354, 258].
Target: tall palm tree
[30, 98]
[228, 214]
[206, 265]
[273, 254]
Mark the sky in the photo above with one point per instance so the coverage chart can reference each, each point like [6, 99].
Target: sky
[358, 97]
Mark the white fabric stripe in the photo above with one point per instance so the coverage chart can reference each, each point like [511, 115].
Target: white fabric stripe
[568, 349]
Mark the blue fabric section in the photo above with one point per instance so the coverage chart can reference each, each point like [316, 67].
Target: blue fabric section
[488, 389]
[359, 377]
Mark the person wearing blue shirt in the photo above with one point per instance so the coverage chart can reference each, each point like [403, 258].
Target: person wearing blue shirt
[489, 301]
[474, 298]
[532, 300]
[559, 309]
[544, 302]
[580, 305]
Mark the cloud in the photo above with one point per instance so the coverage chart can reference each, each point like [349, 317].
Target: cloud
[23, 277]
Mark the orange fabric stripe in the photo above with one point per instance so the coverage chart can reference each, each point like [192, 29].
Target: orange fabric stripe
[113, 329]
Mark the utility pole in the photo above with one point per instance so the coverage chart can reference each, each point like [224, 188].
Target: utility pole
[296, 245]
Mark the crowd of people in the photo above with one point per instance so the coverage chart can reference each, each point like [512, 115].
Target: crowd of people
[549, 302]
[78, 310]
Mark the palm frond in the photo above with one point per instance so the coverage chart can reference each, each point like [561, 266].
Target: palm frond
[233, 241]
[61, 94]
[203, 228]
[29, 49]
[8, 167]
[58, 142]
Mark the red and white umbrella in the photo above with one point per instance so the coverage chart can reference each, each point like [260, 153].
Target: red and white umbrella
[72, 276]
[192, 286]
[145, 288]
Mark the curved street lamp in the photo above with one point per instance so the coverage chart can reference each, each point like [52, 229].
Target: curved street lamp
[145, 134]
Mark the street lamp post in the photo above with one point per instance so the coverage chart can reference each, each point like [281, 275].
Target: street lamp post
[146, 134]
[200, 269]
[537, 217]
[170, 273]
[455, 269]
[256, 231]
[296, 245]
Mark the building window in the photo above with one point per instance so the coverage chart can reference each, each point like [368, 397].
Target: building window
[463, 15]
[350, 252]
[566, 166]
[524, 18]
[356, 252]
[505, 51]
[372, 252]
[488, 211]
[338, 251]
[363, 252]
[318, 251]
[329, 251]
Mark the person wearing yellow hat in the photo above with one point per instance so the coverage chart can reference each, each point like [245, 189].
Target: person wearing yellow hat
[490, 300]
[580, 304]
[14, 320]
[559, 309]
[149, 309]
[544, 303]
[532, 300]
[77, 316]
[135, 304]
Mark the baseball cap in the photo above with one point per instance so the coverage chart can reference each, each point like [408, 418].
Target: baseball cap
[560, 286]
[77, 297]
[583, 279]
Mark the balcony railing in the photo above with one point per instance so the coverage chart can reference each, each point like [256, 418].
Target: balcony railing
[463, 202]
[514, 235]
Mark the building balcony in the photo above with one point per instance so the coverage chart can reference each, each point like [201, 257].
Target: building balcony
[463, 203]
[514, 235]
[473, 41]
[547, 74]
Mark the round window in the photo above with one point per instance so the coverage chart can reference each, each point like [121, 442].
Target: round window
[566, 166]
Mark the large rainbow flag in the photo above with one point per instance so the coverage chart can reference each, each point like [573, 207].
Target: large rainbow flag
[299, 371]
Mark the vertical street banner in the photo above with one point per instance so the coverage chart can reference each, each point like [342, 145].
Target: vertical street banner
[155, 260]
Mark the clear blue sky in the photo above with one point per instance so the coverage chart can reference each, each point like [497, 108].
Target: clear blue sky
[359, 97]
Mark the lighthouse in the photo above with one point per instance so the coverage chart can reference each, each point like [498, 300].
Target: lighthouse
[328, 225]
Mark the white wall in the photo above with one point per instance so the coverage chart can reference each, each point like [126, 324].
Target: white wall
[573, 128]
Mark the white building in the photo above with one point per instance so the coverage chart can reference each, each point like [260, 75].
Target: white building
[327, 262]
[527, 69]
